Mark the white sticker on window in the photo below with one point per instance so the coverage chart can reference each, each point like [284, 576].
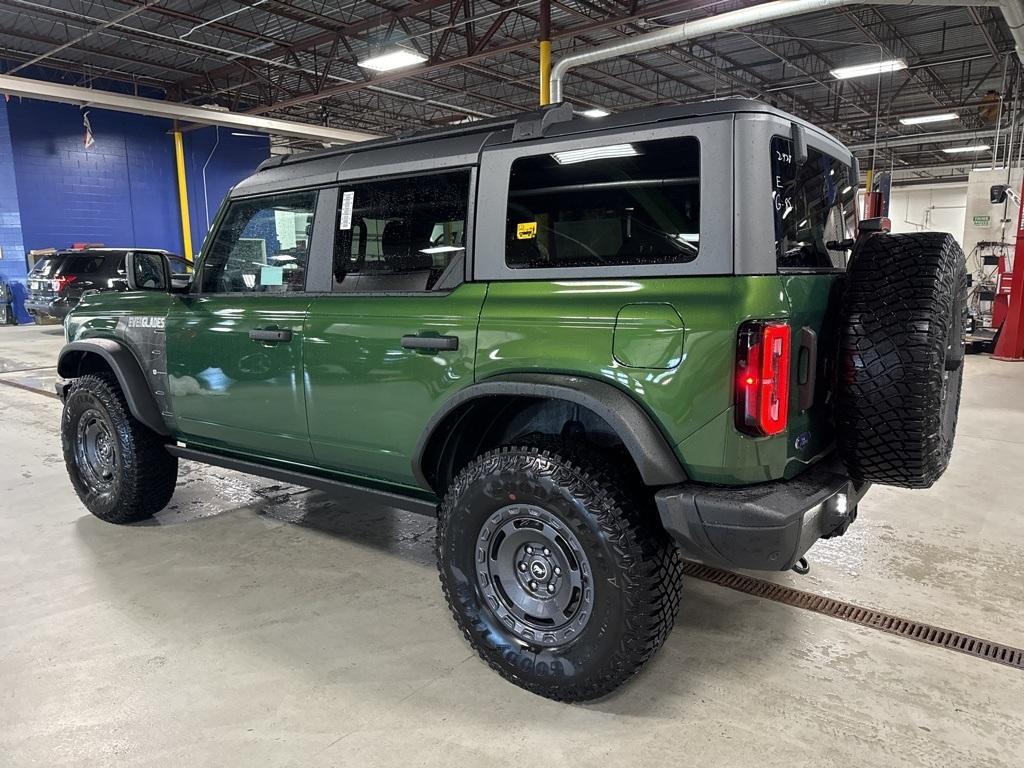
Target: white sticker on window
[271, 276]
[347, 201]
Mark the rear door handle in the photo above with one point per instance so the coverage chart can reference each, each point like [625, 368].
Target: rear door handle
[807, 367]
[270, 334]
[436, 343]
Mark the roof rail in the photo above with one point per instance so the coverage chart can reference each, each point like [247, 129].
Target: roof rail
[528, 125]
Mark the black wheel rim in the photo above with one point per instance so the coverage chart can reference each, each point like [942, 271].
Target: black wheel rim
[534, 575]
[96, 451]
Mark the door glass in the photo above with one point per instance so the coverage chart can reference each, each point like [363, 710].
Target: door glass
[401, 235]
[261, 246]
[619, 204]
[814, 204]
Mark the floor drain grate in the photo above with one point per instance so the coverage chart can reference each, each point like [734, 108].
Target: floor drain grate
[866, 617]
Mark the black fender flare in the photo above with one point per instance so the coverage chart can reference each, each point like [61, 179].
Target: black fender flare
[653, 454]
[127, 370]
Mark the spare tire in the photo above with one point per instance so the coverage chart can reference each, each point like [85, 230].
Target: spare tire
[901, 358]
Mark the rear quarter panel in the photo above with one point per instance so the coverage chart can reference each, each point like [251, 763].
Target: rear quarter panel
[569, 326]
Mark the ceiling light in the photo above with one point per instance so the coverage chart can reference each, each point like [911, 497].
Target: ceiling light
[940, 118]
[846, 189]
[594, 153]
[595, 112]
[964, 150]
[862, 70]
[396, 59]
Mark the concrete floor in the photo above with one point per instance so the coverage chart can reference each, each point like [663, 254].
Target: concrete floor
[260, 624]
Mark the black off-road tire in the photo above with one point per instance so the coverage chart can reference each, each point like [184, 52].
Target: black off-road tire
[902, 356]
[635, 569]
[138, 474]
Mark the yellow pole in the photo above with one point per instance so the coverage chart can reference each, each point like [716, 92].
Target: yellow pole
[544, 30]
[545, 72]
[186, 226]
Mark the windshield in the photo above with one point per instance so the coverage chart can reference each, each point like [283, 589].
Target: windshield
[815, 204]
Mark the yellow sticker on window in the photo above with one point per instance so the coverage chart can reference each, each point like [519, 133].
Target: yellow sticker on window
[526, 230]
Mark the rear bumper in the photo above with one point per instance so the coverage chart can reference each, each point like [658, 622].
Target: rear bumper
[768, 526]
[57, 308]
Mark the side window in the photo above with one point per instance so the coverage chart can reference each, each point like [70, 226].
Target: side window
[261, 246]
[178, 265]
[814, 204]
[401, 235]
[618, 204]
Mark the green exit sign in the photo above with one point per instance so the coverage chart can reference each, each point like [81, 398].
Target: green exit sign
[982, 221]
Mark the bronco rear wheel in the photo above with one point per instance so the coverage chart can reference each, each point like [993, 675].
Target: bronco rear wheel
[560, 584]
[902, 358]
[120, 469]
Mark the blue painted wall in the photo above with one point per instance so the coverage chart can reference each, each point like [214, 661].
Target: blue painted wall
[12, 246]
[122, 190]
[228, 158]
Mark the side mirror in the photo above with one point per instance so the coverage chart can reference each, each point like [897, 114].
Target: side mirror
[147, 271]
[997, 194]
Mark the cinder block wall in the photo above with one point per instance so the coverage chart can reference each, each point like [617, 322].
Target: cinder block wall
[12, 246]
[122, 191]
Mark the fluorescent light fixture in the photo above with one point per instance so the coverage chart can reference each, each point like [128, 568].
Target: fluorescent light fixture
[940, 118]
[863, 70]
[595, 112]
[594, 153]
[441, 249]
[396, 59]
[965, 150]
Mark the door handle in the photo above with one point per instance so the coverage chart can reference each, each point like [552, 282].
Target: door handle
[272, 335]
[807, 368]
[435, 343]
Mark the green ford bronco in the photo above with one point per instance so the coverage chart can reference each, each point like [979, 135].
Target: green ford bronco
[592, 347]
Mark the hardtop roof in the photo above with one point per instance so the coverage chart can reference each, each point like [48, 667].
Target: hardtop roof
[501, 130]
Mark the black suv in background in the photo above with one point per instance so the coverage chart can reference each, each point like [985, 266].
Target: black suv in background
[58, 280]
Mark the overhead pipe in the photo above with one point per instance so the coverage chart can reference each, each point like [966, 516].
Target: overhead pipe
[1013, 13]
[913, 139]
[172, 110]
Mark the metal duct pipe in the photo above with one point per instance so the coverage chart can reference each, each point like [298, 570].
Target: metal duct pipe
[923, 138]
[1013, 12]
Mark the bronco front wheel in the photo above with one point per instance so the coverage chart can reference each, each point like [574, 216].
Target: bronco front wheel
[120, 469]
[561, 585]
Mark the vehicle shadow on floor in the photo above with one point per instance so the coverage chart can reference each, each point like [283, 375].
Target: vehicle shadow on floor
[714, 629]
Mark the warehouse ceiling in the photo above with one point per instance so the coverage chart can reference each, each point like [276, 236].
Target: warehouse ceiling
[296, 59]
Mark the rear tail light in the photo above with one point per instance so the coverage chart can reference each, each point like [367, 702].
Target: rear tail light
[60, 283]
[762, 377]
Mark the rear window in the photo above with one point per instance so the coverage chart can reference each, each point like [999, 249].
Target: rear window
[90, 264]
[626, 203]
[46, 266]
[814, 204]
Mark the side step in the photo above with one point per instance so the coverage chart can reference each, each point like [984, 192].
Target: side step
[337, 489]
